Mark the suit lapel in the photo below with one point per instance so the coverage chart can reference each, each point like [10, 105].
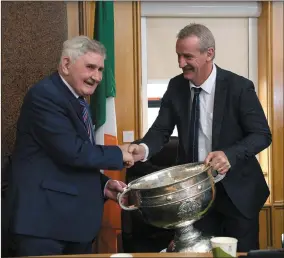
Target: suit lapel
[185, 97]
[219, 107]
[74, 103]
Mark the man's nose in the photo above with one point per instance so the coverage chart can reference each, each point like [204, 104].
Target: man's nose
[96, 76]
[181, 62]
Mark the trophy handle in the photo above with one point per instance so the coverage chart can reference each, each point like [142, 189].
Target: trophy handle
[119, 198]
[217, 177]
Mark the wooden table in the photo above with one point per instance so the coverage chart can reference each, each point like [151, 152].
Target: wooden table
[140, 255]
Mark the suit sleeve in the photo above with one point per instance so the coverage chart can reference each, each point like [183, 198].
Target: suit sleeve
[162, 128]
[52, 128]
[257, 135]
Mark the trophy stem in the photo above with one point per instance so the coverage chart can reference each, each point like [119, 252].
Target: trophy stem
[189, 239]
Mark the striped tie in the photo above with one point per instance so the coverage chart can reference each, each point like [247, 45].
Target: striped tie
[86, 118]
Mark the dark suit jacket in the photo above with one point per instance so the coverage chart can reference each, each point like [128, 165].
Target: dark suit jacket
[240, 129]
[56, 188]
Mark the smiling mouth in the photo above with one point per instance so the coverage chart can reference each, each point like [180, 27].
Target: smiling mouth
[91, 84]
[188, 70]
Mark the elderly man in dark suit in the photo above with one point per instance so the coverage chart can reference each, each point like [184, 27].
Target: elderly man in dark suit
[57, 192]
[219, 120]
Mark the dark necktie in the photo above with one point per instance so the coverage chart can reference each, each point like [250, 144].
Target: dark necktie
[194, 126]
[86, 118]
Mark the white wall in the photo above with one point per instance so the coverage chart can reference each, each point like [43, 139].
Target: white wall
[231, 38]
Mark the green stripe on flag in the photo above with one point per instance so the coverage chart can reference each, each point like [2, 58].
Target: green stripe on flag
[104, 32]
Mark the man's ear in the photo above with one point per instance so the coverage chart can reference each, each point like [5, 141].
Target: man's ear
[65, 64]
[210, 54]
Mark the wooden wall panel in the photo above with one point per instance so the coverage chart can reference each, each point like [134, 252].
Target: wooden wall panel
[265, 228]
[264, 83]
[72, 18]
[277, 103]
[109, 241]
[87, 17]
[278, 225]
[125, 55]
[271, 95]
[277, 67]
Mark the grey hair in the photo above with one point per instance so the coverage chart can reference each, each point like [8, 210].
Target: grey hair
[81, 45]
[205, 36]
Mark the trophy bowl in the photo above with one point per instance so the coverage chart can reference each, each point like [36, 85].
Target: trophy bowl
[174, 198]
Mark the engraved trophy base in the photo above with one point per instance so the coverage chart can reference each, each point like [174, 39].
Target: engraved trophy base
[188, 239]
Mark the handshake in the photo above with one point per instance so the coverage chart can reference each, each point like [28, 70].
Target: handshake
[132, 153]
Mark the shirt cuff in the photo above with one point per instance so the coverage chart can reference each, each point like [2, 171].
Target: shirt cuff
[105, 188]
[146, 151]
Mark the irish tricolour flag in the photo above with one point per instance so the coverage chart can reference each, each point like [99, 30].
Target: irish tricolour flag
[102, 101]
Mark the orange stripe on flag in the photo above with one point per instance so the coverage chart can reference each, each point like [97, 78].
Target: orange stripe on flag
[110, 139]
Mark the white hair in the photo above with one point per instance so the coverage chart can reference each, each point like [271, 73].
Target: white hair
[81, 45]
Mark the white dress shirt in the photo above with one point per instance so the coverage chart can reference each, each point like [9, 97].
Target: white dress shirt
[206, 101]
[69, 87]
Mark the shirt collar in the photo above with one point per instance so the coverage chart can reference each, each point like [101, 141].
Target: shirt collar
[208, 85]
[69, 87]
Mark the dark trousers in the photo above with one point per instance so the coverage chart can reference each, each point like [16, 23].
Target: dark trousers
[224, 219]
[35, 246]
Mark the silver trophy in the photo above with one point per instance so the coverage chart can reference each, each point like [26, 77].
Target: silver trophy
[174, 198]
